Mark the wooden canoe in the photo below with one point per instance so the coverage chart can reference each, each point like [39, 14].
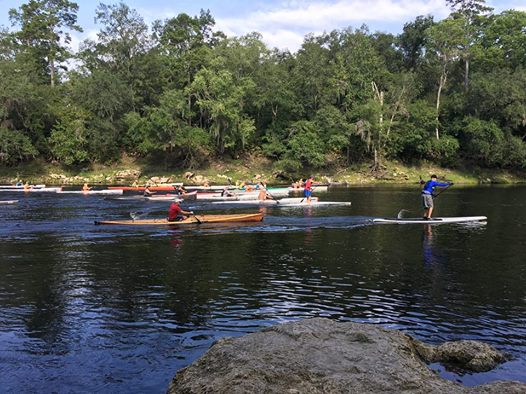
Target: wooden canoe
[198, 219]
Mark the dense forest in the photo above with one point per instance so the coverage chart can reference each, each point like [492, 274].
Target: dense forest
[179, 91]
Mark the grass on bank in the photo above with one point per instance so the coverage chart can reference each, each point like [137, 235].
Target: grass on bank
[223, 172]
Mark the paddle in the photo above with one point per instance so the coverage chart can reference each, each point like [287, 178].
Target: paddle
[311, 190]
[196, 218]
[443, 190]
[401, 213]
[138, 215]
[271, 196]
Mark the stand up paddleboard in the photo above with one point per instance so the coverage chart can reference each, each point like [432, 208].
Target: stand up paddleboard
[460, 219]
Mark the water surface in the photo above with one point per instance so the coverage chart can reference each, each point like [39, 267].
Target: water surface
[87, 308]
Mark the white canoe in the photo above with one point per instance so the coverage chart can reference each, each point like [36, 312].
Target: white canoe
[287, 202]
[164, 198]
[20, 187]
[92, 192]
[8, 202]
[219, 197]
[34, 190]
[437, 220]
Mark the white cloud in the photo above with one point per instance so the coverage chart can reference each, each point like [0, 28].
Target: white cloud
[283, 24]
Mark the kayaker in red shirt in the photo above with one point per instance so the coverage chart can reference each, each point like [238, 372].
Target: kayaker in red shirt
[176, 213]
[307, 189]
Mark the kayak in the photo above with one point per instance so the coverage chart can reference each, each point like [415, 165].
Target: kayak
[198, 219]
[90, 192]
[171, 197]
[287, 202]
[35, 190]
[20, 187]
[437, 220]
[162, 188]
[8, 202]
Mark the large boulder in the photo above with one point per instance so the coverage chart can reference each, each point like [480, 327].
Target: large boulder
[321, 356]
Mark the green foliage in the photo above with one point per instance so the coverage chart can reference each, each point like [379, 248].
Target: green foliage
[185, 93]
[15, 147]
[69, 137]
[41, 34]
[164, 129]
[483, 141]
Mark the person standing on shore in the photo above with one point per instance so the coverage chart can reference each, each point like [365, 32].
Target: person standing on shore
[427, 194]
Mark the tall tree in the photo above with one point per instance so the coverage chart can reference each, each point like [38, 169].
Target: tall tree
[444, 40]
[413, 39]
[42, 31]
[470, 12]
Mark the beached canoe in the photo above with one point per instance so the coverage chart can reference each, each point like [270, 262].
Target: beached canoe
[197, 219]
[8, 202]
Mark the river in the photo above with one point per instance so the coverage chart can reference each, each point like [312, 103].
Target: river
[86, 308]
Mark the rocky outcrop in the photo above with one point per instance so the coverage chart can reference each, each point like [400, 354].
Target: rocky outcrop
[323, 356]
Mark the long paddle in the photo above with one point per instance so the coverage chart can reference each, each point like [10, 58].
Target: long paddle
[443, 190]
[196, 218]
[271, 196]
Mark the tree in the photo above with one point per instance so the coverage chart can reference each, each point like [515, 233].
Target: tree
[469, 12]
[42, 35]
[413, 40]
[444, 42]
[220, 99]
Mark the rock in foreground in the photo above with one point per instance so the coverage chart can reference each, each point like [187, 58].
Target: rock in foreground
[323, 356]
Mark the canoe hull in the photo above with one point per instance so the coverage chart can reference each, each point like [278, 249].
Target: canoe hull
[198, 219]
[162, 188]
[438, 220]
[172, 197]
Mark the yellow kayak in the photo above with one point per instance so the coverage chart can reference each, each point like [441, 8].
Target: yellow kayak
[197, 219]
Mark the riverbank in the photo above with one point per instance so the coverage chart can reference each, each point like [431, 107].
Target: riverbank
[248, 170]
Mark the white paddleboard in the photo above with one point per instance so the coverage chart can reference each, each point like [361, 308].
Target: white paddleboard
[8, 202]
[437, 220]
[92, 192]
[286, 202]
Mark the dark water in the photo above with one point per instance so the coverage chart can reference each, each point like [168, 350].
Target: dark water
[87, 308]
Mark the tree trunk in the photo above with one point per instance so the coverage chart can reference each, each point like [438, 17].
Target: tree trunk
[466, 75]
[52, 71]
[441, 84]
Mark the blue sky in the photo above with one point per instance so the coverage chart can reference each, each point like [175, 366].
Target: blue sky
[283, 23]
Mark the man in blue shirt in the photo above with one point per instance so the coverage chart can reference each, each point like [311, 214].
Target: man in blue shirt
[427, 195]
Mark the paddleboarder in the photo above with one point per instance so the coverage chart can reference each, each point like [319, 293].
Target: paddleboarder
[307, 189]
[176, 213]
[427, 194]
